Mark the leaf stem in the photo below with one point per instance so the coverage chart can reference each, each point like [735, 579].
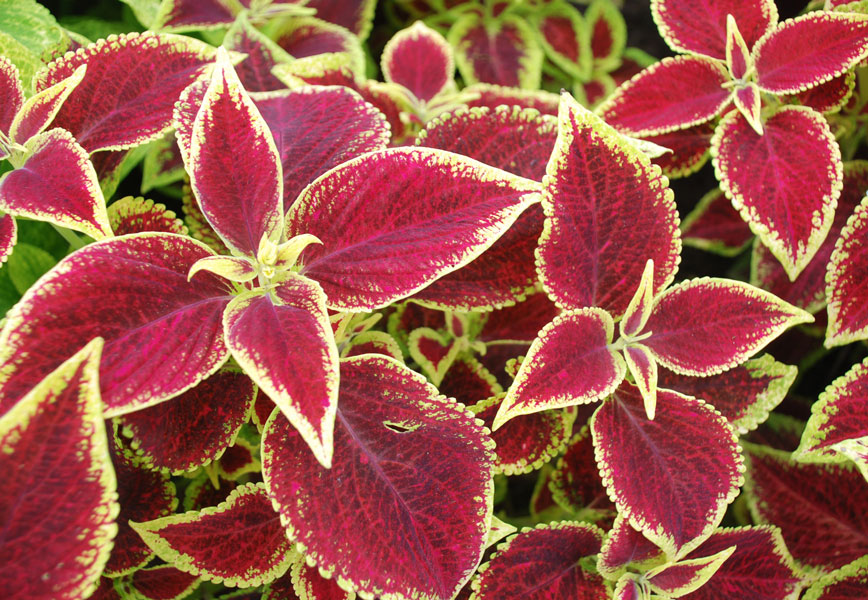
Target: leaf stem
[74, 241]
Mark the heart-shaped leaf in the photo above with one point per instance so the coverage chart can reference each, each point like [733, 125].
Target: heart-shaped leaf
[565, 37]
[304, 37]
[378, 521]
[59, 485]
[420, 59]
[626, 546]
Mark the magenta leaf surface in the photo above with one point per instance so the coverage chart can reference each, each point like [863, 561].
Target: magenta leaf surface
[238, 542]
[714, 225]
[544, 563]
[135, 99]
[831, 96]
[143, 495]
[673, 94]
[262, 54]
[355, 15]
[284, 342]
[163, 582]
[761, 567]
[503, 51]
[790, 210]
[57, 183]
[846, 287]
[317, 128]
[194, 428]
[59, 485]
[11, 93]
[233, 164]
[686, 575]
[41, 108]
[608, 211]
[186, 15]
[163, 334]
[378, 520]
[492, 96]
[569, 363]
[137, 215]
[705, 326]
[700, 26]
[308, 584]
[690, 149]
[817, 507]
[309, 37]
[420, 59]
[625, 546]
[8, 236]
[575, 484]
[744, 394]
[690, 458]
[850, 581]
[812, 49]
[392, 222]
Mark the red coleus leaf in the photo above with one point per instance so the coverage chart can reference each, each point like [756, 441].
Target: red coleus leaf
[355, 15]
[420, 59]
[819, 508]
[318, 128]
[58, 184]
[138, 215]
[8, 236]
[59, 485]
[831, 96]
[850, 581]
[41, 108]
[433, 351]
[233, 165]
[308, 36]
[808, 290]
[468, 381]
[143, 495]
[308, 584]
[812, 49]
[163, 334]
[239, 459]
[690, 150]
[689, 498]
[502, 51]
[194, 428]
[566, 38]
[139, 111]
[701, 26]
[672, 94]
[11, 93]
[163, 582]
[262, 54]
[846, 283]
[284, 341]
[608, 33]
[626, 546]
[790, 210]
[838, 429]
[493, 96]
[201, 493]
[745, 394]
[191, 15]
[544, 562]
[575, 484]
[761, 567]
[569, 363]
[714, 225]
[705, 326]
[677, 579]
[525, 445]
[239, 543]
[608, 210]
[392, 222]
[378, 520]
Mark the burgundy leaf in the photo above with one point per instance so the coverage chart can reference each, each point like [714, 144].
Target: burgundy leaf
[318, 128]
[59, 486]
[674, 94]
[608, 211]
[137, 215]
[690, 150]
[8, 236]
[831, 96]
[233, 165]
[819, 508]
[502, 51]
[686, 575]
[701, 26]
[262, 54]
[201, 493]
[526, 444]
[376, 342]
[850, 581]
[469, 382]
[433, 351]
[194, 428]
[162, 164]
[11, 94]
[420, 59]
[625, 546]
[392, 222]
[355, 15]
[493, 96]
[378, 520]
[239, 459]
[569, 363]
[283, 341]
[705, 326]
[809, 50]
[240, 542]
[163, 582]
[191, 15]
[41, 108]
[576, 484]
[566, 39]
[544, 563]
[143, 495]
[135, 99]
[520, 322]
[761, 567]
[846, 282]
[308, 584]
[163, 334]
[308, 36]
[714, 225]
[57, 183]
[745, 394]
[675, 502]
[608, 33]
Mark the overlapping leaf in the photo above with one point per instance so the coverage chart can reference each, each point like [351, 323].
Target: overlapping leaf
[59, 486]
[378, 520]
[311, 37]
[626, 546]
[163, 582]
[691, 465]
[419, 59]
[137, 215]
[608, 211]
[163, 333]
[239, 542]
[575, 484]
[566, 38]
[714, 225]
[850, 581]
[845, 282]
[262, 54]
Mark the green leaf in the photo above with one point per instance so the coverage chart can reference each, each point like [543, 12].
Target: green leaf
[27, 264]
[30, 34]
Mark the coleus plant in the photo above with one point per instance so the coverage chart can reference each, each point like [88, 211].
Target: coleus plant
[248, 412]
